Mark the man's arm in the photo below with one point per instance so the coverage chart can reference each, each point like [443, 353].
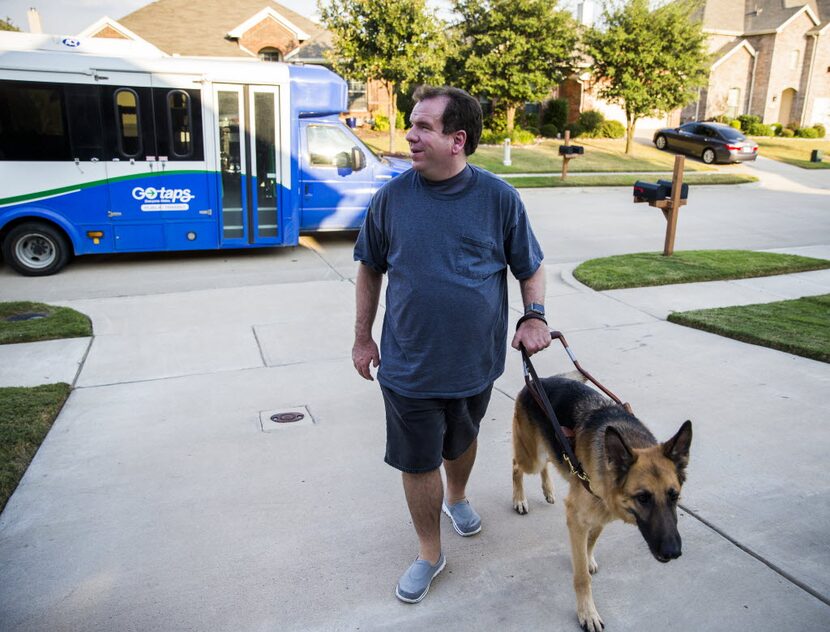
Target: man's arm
[365, 350]
[533, 333]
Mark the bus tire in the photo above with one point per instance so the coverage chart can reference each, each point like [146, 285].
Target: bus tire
[36, 249]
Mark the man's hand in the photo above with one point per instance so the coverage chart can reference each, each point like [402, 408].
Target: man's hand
[364, 352]
[533, 334]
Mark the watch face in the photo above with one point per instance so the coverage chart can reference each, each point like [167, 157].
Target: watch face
[536, 308]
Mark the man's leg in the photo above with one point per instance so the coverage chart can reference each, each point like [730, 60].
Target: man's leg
[458, 473]
[424, 495]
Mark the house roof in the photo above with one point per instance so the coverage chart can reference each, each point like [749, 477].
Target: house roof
[758, 16]
[200, 28]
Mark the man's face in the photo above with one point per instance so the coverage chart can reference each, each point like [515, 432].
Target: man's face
[433, 152]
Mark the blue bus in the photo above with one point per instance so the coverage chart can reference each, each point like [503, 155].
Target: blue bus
[108, 147]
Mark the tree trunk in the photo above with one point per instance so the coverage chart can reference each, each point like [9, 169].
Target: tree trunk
[393, 114]
[511, 117]
[631, 121]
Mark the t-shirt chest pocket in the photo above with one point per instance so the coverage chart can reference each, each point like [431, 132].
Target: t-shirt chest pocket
[478, 257]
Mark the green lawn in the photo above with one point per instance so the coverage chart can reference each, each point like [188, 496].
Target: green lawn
[800, 326]
[646, 268]
[616, 180]
[50, 323]
[795, 151]
[26, 415]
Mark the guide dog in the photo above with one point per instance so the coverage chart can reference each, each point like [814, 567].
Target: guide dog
[633, 477]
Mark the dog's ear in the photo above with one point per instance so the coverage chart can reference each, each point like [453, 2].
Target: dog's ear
[677, 449]
[619, 455]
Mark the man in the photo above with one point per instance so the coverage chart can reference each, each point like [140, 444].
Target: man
[445, 233]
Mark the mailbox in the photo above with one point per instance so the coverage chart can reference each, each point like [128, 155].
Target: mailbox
[816, 156]
[684, 189]
[651, 191]
[571, 150]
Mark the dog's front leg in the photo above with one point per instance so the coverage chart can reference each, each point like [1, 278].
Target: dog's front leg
[578, 531]
[593, 535]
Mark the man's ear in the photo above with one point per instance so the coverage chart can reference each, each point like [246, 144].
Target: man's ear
[619, 456]
[459, 139]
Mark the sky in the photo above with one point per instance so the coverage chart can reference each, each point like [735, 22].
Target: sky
[68, 17]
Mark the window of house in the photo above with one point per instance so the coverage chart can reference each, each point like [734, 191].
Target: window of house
[179, 123]
[733, 102]
[128, 122]
[32, 122]
[357, 96]
[328, 146]
[270, 54]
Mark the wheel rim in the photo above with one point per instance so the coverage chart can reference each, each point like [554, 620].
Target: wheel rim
[708, 156]
[661, 143]
[36, 251]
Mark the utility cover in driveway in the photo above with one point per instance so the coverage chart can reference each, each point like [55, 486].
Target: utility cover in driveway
[284, 418]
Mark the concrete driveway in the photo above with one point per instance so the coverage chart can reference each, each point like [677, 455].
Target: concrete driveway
[164, 498]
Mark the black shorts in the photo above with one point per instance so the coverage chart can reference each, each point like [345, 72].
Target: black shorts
[422, 432]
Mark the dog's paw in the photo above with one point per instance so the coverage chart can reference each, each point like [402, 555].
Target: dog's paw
[520, 506]
[550, 497]
[593, 567]
[590, 620]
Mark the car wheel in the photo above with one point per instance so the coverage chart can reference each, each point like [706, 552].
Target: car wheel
[36, 249]
[708, 155]
[660, 142]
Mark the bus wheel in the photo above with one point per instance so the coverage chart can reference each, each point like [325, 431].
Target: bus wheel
[35, 249]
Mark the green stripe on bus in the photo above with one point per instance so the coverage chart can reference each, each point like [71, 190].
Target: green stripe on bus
[87, 185]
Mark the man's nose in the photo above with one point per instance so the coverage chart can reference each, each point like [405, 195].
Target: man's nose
[410, 137]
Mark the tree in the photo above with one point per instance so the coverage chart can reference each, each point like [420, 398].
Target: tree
[512, 51]
[7, 25]
[397, 42]
[648, 61]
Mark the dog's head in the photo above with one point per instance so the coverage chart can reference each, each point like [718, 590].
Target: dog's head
[647, 484]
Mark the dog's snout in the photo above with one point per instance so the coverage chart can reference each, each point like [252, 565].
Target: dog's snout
[670, 548]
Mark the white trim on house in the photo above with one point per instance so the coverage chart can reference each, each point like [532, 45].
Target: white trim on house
[107, 21]
[738, 46]
[267, 12]
[805, 9]
[722, 32]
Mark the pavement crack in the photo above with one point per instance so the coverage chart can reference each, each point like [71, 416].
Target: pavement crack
[82, 362]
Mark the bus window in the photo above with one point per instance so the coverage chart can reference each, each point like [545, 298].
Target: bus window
[328, 146]
[179, 123]
[128, 120]
[86, 131]
[32, 123]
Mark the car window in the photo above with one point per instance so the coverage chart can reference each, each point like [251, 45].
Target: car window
[705, 130]
[732, 135]
[328, 146]
[688, 128]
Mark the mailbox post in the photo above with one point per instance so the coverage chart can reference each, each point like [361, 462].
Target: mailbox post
[668, 197]
[568, 152]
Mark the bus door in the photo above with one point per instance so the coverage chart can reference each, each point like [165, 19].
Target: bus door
[153, 132]
[247, 140]
[335, 182]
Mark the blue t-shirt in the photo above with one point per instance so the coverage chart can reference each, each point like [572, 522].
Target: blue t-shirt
[446, 256]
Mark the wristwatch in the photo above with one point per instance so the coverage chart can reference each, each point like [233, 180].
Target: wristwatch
[535, 308]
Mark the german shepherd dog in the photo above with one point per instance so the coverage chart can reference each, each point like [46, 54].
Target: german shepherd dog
[634, 478]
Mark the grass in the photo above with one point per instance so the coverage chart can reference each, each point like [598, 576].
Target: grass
[59, 322]
[800, 326]
[794, 151]
[690, 266]
[614, 180]
[26, 415]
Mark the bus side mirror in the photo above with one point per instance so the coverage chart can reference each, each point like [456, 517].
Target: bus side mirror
[358, 159]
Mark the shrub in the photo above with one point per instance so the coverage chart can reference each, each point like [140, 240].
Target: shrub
[496, 137]
[522, 136]
[556, 113]
[787, 133]
[381, 122]
[820, 129]
[806, 132]
[549, 130]
[776, 128]
[747, 120]
[735, 123]
[590, 120]
[759, 129]
[722, 118]
[575, 129]
[611, 129]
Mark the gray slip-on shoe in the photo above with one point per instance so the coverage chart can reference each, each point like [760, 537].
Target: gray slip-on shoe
[414, 584]
[464, 518]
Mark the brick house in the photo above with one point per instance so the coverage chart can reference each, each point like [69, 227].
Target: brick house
[252, 29]
[771, 58]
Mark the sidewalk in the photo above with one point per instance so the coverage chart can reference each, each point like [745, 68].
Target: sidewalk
[158, 502]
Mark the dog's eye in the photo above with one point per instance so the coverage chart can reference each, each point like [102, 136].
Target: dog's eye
[673, 495]
[643, 498]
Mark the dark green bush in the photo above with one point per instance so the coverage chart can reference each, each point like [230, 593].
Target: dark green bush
[556, 113]
[747, 120]
[759, 129]
[822, 132]
[549, 130]
[787, 133]
[611, 129]
[575, 129]
[590, 120]
[776, 128]
[806, 132]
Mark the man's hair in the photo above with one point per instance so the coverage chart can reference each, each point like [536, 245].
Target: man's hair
[463, 112]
